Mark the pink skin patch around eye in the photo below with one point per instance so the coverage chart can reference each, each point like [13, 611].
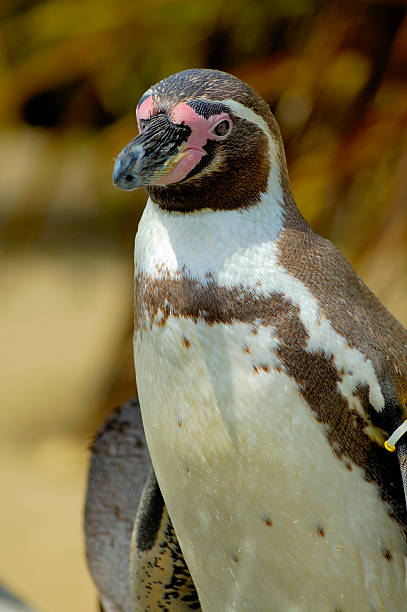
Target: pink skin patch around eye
[145, 110]
[201, 132]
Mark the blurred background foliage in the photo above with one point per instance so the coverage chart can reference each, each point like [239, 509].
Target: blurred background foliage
[335, 75]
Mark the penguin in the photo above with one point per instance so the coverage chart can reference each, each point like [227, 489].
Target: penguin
[270, 378]
[118, 470]
[131, 547]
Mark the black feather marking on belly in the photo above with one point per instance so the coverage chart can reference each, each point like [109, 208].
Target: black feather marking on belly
[162, 578]
[180, 585]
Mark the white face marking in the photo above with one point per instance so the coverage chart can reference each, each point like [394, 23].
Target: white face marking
[244, 112]
[274, 186]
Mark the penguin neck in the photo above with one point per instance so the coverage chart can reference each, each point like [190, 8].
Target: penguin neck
[202, 244]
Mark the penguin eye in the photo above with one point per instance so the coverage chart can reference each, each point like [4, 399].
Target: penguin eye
[143, 123]
[222, 128]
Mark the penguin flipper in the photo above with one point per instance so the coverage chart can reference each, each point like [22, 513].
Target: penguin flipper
[160, 579]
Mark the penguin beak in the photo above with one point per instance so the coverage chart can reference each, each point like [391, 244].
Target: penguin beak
[151, 155]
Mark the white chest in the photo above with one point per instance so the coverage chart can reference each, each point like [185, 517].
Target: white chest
[267, 516]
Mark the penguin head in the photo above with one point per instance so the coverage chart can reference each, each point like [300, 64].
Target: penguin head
[206, 140]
